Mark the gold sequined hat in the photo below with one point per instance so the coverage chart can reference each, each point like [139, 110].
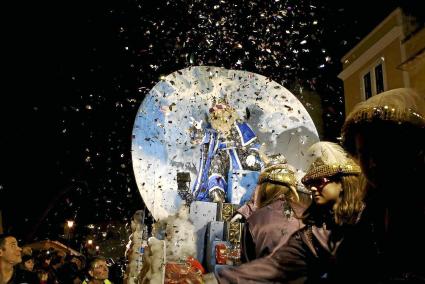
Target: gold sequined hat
[329, 160]
[278, 173]
[401, 106]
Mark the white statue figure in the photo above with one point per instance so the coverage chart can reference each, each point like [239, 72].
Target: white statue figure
[173, 244]
[136, 246]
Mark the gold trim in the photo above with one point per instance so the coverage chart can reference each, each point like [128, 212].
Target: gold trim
[383, 113]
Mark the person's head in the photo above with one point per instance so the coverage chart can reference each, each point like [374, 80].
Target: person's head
[74, 259]
[58, 259]
[139, 216]
[45, 258]
[28, 262]
[276, 181]
[386, 134]
[61, 254]
[98, 269]
[26, 250]
[222, 117]
[10, 252]
[82, 260]
[333, 179]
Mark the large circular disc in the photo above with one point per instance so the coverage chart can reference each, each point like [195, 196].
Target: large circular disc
[161, 144]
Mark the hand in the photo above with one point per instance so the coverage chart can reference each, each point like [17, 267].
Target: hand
[217, 196]
[209, 278]
[250, 160]
[195, 131]
[196, 124]
[237, 217]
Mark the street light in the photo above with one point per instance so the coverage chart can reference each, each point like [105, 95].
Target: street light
[68, 230]
[90, 242]
[70, 224]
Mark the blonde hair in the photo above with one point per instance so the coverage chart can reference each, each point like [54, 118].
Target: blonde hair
[269, 192]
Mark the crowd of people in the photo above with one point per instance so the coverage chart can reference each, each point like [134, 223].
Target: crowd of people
[364, 224]
[25, 265]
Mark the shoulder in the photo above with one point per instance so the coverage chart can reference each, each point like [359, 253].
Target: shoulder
[245, 132]
[258, 214]
[244, 127]
[23, 276]
[273, 210]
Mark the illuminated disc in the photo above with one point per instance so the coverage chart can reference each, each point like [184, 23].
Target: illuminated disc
[161, 144]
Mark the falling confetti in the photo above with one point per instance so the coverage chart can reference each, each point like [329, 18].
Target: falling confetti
[118, 52]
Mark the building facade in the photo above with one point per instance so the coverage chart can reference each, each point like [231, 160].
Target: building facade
[391, 56]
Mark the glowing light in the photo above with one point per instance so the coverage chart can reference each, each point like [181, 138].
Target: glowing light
[70, 223]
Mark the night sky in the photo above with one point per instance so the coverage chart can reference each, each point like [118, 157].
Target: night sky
[80, 69]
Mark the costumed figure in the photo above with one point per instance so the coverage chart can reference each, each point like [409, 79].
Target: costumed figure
[229, 146]
[136, 247]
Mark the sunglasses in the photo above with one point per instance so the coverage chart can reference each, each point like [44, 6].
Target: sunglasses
[318, 183]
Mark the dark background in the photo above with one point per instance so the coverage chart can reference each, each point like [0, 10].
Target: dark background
[78, 70]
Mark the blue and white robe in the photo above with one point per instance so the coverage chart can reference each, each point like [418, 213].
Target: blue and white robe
[220, 156]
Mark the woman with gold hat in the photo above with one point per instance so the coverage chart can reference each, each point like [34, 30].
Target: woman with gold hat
[308, 255]
[277, 215]
[386, 133]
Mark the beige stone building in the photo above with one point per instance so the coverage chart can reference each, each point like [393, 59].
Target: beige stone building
[391, 56]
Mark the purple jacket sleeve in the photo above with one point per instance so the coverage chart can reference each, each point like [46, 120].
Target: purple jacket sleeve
[247, 209]
[287, 264]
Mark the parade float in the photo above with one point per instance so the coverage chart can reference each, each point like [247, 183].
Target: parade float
[200, 139]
